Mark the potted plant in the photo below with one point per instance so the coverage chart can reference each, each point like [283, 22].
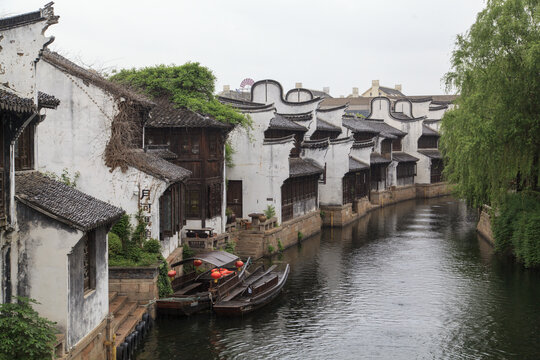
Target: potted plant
[231, 216]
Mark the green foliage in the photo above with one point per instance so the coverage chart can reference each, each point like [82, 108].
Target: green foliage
[270, 211]
[229, 152]
[300, 236]
[130, 248]
[190, 85]
[152, 246]
[164, 283]
[230, 246]
[490, 142]
[228, 212]
[65, 177]
[115, 246]
[517, 227]
[187, 252]
[24, 334]
[139, 233]
[279, 245]
[271, 249]
[322, 213]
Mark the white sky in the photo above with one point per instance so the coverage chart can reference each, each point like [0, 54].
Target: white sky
[340, 44]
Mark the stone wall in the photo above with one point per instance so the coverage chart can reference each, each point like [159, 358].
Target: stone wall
[137, 283]
[393, 195]
[337, 216]
[92, 346]
[484, 225]
[402, 193]
[432, 190]
[255, 244]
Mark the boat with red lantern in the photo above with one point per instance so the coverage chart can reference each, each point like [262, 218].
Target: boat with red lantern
[208, 277]
[257, 289]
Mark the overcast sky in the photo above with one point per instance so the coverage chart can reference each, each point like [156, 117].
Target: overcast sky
[340, 43]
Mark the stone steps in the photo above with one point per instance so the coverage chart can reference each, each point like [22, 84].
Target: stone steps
[121, 316]
[129, 325]
[117, 304]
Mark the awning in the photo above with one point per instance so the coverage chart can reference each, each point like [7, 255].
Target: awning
[216, 258]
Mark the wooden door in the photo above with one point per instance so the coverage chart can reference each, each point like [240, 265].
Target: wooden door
[234, 197]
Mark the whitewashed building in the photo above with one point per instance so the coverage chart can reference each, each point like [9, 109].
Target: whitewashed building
[86, 135]
[53, 238]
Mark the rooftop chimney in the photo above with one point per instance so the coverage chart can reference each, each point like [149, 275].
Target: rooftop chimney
[298, 85]
[226, 88]
[398, 87]
[341, 96]
[354, 92]
[374, 82]
[326, 89]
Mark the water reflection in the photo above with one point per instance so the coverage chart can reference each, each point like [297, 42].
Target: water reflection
[407, 281]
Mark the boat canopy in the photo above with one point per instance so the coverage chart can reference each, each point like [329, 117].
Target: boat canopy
[216, 258]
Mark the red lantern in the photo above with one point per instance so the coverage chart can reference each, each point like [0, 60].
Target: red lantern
[239, 264]
[171, 273]
[215, 269]
[216, 275]
[197, 262]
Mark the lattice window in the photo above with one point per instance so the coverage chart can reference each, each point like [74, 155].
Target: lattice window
[89, 262]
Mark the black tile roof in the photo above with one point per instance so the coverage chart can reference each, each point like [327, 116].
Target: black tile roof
[316, 144]
[12, 102]
[164, 114]
[94, 78]
[391, 91]
[63, 202]
[357, 165]
[400, 116]
[426, 130]
[438, 107]
[358, 125]
[403, 157]
[156, 166]
[47, 101]
[326, 126]
[303, 167]
[244, 104]
[363, 144]
[47, 13]
[282, 140]
[162, 151]
[376, 158]
[279, 122]
[299, 117]
[432, 153]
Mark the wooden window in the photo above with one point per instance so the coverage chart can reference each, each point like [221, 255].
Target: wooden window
[406, 170]
[437, 167]
[165, 214]
[193, 200]
[428, 142]
[386, 148]
[214, 199]
[189, 144]
[170, 211]
[89, 261]
[396, 145]
[24, 150]
[212, 144]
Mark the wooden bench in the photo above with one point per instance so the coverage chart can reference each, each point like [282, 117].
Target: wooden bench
[188, 288]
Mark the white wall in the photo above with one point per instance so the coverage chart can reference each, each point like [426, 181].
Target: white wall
[299, 95]
[74, 136]
[270, 92]
[333, 117]
[20, 47]
[261, 168]
[404, 106]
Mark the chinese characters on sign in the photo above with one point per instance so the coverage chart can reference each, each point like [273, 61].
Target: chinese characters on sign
[146, 208]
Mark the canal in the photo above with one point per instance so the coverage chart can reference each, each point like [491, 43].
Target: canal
[409, 281]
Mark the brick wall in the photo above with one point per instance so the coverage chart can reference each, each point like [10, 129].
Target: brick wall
[92, 346]
[137, 283]
[432, 190]
[256, 243]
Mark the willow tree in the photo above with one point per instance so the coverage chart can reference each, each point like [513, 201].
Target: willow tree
[491, 141]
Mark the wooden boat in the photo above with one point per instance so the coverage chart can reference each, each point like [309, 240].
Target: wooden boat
[195, 292]
[257, 290]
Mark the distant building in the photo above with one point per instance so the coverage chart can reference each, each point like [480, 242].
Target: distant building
[378, 90]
